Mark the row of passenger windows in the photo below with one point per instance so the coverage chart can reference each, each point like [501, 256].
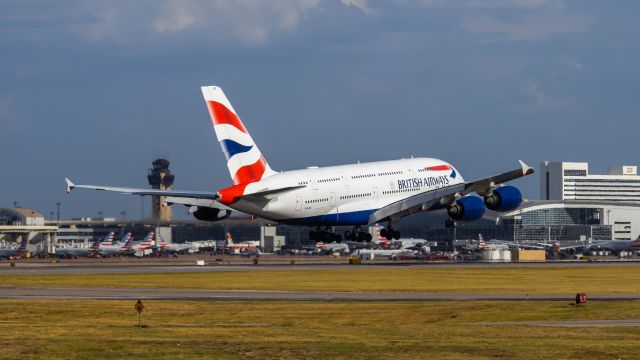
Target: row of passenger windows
[599, 190]
[328, 180]
[612, 181]
[316, 201]
[303, 183]
[354, 196]
[390, 173]
[599, 186]
[398, 191]
[363, 176]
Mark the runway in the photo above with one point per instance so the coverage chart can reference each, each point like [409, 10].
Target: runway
[134, 267]
[103, 293]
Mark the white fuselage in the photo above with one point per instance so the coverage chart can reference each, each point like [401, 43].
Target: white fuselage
[346, 194]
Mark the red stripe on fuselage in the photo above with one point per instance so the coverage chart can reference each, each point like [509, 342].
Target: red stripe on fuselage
[221, 115]
[232, 193]
[438, 168]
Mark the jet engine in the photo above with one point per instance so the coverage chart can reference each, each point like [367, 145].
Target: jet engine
[466, 209]
[209, 214]
[504, 198]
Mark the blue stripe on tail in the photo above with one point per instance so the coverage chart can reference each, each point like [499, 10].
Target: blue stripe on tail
[231, 148]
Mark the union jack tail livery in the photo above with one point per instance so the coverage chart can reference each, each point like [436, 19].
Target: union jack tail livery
[245, 161]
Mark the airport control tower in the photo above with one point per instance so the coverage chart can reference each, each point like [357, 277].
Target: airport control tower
[160, 178]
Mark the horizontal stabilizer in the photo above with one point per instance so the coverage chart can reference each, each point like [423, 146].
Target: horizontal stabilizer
[142, 192]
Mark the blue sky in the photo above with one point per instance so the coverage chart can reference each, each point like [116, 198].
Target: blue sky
[95, 90]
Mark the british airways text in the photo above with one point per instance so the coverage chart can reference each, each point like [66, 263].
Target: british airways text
[437, 181]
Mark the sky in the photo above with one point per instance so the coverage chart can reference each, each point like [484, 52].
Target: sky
[96, 90]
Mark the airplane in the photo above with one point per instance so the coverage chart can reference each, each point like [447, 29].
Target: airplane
[118, 248]
[248, 247]
[146, 244]
[86, 251]
[173, 248]
[332, 248]
[354, 195]
[482, 245]
[9, 252]
[614, 246]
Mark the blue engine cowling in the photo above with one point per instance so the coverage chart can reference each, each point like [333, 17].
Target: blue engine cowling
[467, 208]
[504, 198]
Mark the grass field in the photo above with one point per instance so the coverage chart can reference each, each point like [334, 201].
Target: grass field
[257, 330]
[531, 280]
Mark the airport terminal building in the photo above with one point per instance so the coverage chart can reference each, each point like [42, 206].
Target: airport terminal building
[572, 181]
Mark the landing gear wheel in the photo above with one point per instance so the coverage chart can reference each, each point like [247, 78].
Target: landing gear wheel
[396, 235]
[367, 237]
[383, 232]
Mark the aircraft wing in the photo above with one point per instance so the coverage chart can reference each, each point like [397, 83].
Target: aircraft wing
[201, 202]
[445, 196]
[138, 191]
[484, 186]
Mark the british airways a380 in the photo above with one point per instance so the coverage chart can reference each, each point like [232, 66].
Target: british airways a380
[353, 195]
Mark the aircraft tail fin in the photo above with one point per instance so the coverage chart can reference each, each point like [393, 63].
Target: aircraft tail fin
[245, 161]
[149, 239]
[23, 245]
[108, 239]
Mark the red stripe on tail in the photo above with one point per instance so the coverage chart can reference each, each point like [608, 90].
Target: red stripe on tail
[250, 173]
[221, 115]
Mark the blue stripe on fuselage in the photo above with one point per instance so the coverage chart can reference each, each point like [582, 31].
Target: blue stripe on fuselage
[347, 218]
[230, 148]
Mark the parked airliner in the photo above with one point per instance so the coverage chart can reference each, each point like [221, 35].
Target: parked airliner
[346, 195]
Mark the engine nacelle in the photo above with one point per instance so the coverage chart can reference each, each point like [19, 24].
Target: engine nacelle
[210, 214]
[467, 208]
[504, 198]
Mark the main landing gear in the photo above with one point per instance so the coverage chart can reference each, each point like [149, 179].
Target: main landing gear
[356, 235]
[389, 233]
[327, 235]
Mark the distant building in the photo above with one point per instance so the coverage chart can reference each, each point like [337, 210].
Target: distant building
[19, 223]
[21, 217]
[572, 181]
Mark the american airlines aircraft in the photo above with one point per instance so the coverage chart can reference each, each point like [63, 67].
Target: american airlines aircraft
[346, 195]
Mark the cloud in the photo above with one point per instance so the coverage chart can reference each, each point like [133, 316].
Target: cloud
[360, 4]
[573, 62]
[543, 100]
[528, 27]
[246, 22]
